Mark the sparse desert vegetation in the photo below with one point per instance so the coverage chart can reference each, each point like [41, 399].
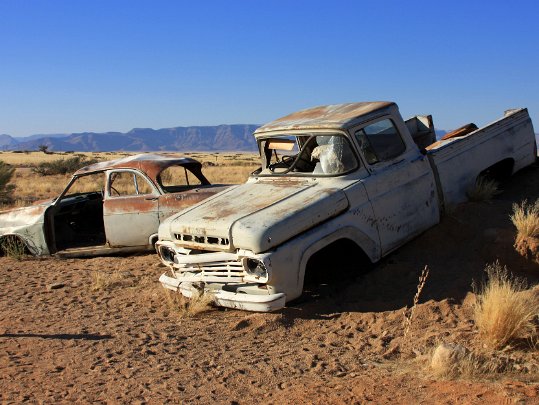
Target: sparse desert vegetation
[484, 190]
[6, 173]
[505, 310]
[62, 166]
[12, 246]
[525, 218]
[187, 308]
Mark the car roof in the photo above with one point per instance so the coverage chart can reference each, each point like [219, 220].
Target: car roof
[335, 116]
[150, 163]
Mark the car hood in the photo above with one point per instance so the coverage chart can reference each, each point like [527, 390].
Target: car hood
[256, 215]
[14, 219]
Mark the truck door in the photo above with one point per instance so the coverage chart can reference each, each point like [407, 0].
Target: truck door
[130, 209]
[401, 185]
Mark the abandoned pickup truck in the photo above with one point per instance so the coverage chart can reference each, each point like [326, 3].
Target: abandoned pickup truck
[351, 175]
[109, 207]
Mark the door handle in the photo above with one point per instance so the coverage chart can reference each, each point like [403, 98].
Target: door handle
[151, 198]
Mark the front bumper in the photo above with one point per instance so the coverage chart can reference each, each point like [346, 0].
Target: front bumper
[241, 296]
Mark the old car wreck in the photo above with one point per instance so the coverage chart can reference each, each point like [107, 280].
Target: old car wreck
[355, 176]
[110, 207]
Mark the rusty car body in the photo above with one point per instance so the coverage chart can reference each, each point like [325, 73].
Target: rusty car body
[110, 207]
[354, 178]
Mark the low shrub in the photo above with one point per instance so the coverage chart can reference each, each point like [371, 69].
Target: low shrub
[62, 166]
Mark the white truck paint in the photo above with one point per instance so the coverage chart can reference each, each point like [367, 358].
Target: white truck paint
[351, 172]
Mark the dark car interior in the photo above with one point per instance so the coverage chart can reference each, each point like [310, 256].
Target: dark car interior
[78, 221]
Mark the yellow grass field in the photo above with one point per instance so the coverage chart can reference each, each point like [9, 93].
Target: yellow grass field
[219, 168]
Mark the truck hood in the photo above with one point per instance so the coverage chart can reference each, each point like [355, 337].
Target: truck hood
[256, 216]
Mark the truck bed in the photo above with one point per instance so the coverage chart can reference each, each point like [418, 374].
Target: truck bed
[507, 145]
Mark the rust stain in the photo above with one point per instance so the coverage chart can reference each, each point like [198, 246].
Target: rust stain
[151, 164]
[129, 205]
[462, 131]
[337, 115]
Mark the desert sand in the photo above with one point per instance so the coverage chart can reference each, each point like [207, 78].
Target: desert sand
[65, 338]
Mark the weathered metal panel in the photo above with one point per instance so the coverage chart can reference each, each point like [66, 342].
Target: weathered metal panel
[151, 164]
[170, 204]
[27, 223]
[337, 116]
[460, 160]
[129, 221]
[258, 215]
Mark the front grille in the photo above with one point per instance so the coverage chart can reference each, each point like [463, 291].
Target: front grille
[202, 239]
[214, 272]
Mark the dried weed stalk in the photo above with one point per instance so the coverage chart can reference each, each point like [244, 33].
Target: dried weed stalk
[409, 312]
[504, 310]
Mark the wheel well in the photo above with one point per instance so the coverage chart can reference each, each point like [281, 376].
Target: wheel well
[153, 239]
[341, 259]
[499, 171]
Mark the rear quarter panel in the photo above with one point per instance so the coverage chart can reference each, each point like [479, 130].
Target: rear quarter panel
[458, 162]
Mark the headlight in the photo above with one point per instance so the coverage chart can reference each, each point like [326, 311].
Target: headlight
[167, 254]
[254, 268]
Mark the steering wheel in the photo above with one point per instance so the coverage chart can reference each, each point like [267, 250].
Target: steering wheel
[287, 159]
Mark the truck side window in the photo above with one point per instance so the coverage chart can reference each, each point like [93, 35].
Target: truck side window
[380, 141]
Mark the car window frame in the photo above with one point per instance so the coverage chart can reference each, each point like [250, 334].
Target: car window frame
[155, 190]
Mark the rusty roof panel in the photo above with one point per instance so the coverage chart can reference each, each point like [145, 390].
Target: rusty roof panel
[336, 116]
[150, 163]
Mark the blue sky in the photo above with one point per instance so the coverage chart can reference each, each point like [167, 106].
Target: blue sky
[72, 66]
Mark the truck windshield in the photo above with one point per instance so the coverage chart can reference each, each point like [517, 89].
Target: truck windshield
[307, 154]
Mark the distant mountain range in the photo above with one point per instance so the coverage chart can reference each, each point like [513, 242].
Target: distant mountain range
[187, 139]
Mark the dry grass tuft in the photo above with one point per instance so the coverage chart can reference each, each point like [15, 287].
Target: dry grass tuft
[409, 312]
[525, 217]
[105, 280]
[484, 190]
[12, 246]
[187, 308]
[504, 310]
[451, 361]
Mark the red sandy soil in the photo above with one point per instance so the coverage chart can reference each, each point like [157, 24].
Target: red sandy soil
[62, 341]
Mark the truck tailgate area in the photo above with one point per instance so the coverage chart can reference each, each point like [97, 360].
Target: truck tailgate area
[457, 162]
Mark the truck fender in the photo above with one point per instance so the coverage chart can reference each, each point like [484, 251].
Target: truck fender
[369, 247]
